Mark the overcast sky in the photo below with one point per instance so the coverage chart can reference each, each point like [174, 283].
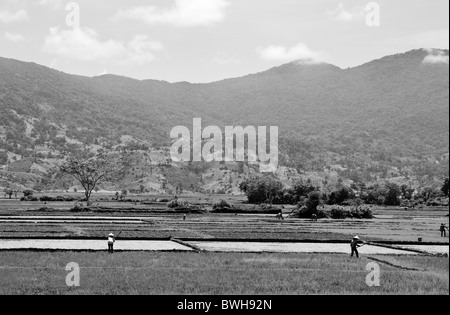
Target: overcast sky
[209, 40]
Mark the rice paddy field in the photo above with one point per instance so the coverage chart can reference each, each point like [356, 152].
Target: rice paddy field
[154, 220]
[161, 251]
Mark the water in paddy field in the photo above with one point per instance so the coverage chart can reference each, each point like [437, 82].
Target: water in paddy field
[91, 245]
[232, 247]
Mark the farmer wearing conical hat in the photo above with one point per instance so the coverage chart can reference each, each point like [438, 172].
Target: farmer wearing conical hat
[111, 241]
[355, 244]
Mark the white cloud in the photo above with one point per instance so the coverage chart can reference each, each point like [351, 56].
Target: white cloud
[183, 13]
[83, 44]
[340, 14]
[344, 15]
[436, 56]
[7, 16]
[13, 37]
[141, 50]
[298, 52]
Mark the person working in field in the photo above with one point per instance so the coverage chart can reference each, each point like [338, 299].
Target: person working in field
[111, 241]
[444, 229]
[355, 244]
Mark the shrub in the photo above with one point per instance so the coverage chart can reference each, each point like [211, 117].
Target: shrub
[222, 205]
[342, 214]
[339, 214]
[304, 213]
[78, 208]
[433, 203]
[46, 209]
[308, 207]
[29, 198]
[57, 199]
[367, 214]
[28, 193]
[131, 200]
[186, 207]
[356, 214]
[46, 199]
[173, 204]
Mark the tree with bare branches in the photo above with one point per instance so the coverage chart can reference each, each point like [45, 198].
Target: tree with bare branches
[92, 171]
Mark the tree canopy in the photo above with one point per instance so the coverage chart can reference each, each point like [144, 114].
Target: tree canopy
[90, 172]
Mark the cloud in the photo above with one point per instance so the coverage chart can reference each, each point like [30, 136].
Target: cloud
[298, 52]
[436, 56]
[141, 50]
[16, 38]
[342, 14]
[7, 16]
[83, 44]
[184, 13]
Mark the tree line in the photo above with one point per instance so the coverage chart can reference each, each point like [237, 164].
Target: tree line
[269, 190]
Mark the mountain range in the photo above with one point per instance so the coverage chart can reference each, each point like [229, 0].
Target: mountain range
[386, 119]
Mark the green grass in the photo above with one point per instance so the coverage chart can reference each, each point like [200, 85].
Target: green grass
[190, 273]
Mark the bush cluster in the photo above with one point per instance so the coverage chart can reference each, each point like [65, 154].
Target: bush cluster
[58, 199]
[342, 214]
[222, 206]
[29, 198]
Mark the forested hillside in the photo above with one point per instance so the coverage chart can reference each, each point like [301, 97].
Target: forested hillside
[385, 119]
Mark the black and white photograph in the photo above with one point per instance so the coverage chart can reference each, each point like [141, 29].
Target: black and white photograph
[224, 155]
